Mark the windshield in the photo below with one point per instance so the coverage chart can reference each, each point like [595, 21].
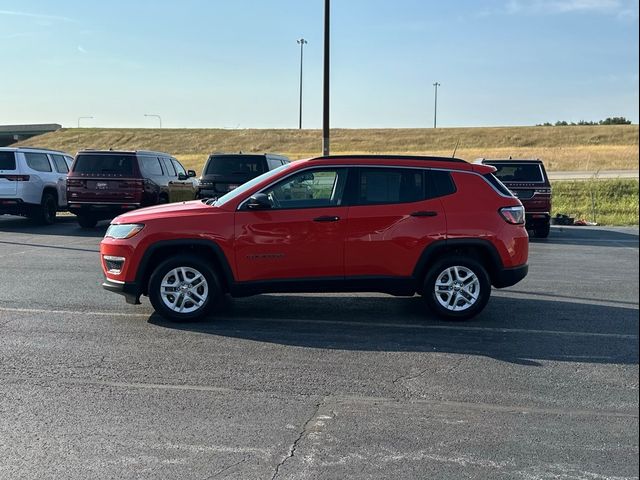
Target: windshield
[235, 165]
[518, 172]
[249, 185]
[98, 163]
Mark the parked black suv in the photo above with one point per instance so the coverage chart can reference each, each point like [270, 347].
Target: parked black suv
[105, 183]
[225, 171]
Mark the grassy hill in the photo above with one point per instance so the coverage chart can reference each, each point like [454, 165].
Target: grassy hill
[562, 148]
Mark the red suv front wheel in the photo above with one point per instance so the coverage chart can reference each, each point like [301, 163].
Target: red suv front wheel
[184, 288]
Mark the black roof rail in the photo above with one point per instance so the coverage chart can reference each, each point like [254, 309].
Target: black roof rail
[392, 157]
[40, 148]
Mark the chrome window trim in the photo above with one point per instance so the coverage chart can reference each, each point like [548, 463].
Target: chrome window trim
[241, 204]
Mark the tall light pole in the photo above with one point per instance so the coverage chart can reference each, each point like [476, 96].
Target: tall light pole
[156, 116]
[435, 105]
[325, 106]
[302, 43]
[83, 118]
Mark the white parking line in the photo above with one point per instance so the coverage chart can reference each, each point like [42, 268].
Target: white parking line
[410, 326]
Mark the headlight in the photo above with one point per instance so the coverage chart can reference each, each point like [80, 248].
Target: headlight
[123, 231]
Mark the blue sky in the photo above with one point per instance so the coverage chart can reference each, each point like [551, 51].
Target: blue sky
[234, 64]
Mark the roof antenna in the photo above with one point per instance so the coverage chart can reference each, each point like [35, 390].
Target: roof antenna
[455, 149]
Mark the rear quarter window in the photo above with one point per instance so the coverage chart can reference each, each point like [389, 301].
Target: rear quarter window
[38, 162]
[7, 161]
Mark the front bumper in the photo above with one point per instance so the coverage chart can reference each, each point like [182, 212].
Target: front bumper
[509, 276]
[128, 289]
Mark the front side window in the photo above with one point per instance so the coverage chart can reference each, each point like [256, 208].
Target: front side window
[38, 162]
[61, 165]
[179, 168]
[309, 189]
[390, 185]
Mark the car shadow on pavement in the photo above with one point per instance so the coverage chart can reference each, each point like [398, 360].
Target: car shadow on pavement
[66, 225]
[589, 236]
[518, 331]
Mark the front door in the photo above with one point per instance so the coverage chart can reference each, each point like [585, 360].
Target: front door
[301, 235]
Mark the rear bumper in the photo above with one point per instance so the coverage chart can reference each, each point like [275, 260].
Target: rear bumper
[510, 276]
[129, 290]
[537, 218]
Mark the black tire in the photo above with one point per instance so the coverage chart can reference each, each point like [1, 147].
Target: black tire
[438, 269]
[45, 213]
[191, 262]
[162, 199]
[87, 221]
[542, 231]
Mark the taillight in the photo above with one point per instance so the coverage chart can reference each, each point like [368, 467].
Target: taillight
[73, 182]
[513, 215]
[16, 178]
[132, 183]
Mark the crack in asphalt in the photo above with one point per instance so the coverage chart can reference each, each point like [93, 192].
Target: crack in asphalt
[224, 469]
[294, 446]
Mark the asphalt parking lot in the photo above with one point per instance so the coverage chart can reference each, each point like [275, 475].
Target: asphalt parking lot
[543, 384]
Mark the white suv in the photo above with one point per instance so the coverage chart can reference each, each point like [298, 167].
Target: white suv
[33, 182]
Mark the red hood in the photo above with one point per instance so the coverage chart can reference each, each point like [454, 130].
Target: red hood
[163, 211]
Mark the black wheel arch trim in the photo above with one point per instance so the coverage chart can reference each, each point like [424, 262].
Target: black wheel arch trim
[143, 265]
[496, 265]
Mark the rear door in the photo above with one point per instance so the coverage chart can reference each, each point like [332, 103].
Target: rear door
[61, 172]
[8, 171]
[392, 220]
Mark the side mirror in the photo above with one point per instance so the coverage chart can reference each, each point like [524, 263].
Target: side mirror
[182, 176]
[259, 202]
[191, 173]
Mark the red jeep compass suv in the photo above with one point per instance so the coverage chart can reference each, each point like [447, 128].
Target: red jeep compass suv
[440, 227]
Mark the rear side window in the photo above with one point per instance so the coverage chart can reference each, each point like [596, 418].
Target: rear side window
[104, 164]
[38, 162]
[387, 185]
[150, 166]
[7, 161]
[439, 183]
[235, 165]
[60, 164]
[168, 166]
[69, 161]
[518, 172]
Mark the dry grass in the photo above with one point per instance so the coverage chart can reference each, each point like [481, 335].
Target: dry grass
[562, 148]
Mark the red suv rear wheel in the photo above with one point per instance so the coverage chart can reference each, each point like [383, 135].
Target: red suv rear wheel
[457, 287]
